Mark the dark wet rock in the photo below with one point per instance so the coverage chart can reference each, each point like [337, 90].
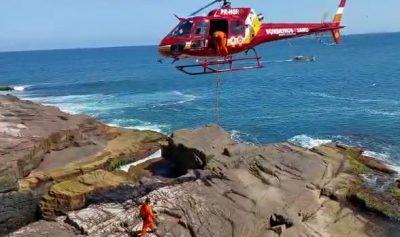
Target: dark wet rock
[195, 149]
[377, 202]
[8, 177]
[395, 190]
[375, 164]
[17, 209]
[6, 88]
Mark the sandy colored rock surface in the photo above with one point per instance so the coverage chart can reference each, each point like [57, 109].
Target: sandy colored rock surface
[231, 189]
[207, 185]
[46, 229]
[41, 146]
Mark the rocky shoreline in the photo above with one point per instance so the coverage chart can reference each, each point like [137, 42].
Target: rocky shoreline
[60, 176]
[50, 160]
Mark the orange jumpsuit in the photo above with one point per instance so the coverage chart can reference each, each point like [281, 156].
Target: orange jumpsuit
[147, 213]
[220, 42]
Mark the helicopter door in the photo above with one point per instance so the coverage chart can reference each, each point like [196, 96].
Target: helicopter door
[201, 35]
[218, 25]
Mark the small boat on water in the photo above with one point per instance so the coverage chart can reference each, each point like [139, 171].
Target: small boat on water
[304, 59]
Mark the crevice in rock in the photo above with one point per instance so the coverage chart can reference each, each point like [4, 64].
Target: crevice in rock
[259, 167]
[293, 174]
[278, 219]
[123, 193]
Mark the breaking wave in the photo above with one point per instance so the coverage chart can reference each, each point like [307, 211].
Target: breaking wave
[140, 125]
[383, 157]
[245, 138]
[97, 104]
[19, 88]
[308, 142]
[377, 155]
[73, 104]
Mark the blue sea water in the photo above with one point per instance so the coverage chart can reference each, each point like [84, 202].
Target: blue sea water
[350, 94]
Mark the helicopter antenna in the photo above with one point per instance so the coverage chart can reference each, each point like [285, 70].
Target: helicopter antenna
[225, 4]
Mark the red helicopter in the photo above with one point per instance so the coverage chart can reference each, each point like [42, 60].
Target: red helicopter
[243, 28]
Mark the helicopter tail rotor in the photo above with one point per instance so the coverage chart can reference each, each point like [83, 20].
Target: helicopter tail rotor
[337, 20]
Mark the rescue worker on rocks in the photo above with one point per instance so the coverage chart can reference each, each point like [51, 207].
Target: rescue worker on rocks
[147, 215]
[220, 41]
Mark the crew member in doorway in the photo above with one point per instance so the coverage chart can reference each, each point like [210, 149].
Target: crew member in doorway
[220, 41]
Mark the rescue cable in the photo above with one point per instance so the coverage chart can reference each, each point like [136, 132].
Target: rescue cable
[217, 97]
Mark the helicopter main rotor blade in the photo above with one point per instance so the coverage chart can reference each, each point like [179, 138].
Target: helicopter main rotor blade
[205, 7]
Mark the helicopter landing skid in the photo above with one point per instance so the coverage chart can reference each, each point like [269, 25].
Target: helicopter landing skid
[221, 65]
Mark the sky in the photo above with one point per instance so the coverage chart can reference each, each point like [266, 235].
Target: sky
[57, 24]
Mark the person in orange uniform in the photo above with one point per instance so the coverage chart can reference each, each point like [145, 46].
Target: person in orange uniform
[220, 41]
[147, 214]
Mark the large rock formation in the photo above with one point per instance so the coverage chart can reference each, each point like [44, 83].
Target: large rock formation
[43, 149]
[231, 189]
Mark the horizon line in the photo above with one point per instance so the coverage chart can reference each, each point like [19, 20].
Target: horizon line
[148, 45]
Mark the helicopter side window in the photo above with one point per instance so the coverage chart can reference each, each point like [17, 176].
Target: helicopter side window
[237, 27]
[183, 29]
[202, 28]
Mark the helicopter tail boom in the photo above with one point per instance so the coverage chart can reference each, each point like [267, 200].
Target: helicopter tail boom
[278, 31]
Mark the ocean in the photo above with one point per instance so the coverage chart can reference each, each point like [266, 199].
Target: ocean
[349, 95]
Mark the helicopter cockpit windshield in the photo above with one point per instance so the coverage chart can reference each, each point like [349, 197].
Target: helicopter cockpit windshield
[183, 29]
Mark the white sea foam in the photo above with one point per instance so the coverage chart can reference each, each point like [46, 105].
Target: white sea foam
[64, 98]
[20, 88]
[385, 113]
[151, 127]
[183, 98]
[244, 138]
[153, 156]
[377, 155]
[175, 98]
[73, 104]
[235, 135]
[383, 157]
[98, 104]
[308, 142]
[140, 125]
[333, 97]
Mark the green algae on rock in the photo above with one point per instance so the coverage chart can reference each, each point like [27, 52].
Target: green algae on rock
[6, 88]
